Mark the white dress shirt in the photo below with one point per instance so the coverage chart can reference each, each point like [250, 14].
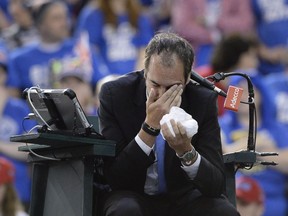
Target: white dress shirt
[151, 183]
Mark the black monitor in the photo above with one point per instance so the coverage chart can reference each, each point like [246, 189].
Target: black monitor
[57, 110]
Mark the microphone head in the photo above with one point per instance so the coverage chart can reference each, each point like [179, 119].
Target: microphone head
[233, 98]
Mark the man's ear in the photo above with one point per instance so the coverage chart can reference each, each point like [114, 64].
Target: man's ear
[145, 73]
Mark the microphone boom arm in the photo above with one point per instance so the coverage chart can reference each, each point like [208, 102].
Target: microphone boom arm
[252, 109]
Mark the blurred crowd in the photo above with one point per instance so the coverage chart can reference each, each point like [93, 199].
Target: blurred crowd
[80, 44]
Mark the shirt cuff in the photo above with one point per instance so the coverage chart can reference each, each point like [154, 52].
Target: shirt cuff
[193, 169]
[143, 146]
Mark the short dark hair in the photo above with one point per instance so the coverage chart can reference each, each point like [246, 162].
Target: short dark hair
[228, 51]
[168, 44]
[39, 11]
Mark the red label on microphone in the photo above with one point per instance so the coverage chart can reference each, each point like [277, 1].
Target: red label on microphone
[233, 98]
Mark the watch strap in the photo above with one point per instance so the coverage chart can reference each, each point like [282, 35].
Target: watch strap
[150, 130]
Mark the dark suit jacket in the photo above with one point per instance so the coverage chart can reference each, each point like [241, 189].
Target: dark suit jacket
[121, 114]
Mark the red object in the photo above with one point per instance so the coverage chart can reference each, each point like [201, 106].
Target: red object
[7, 171]
[233, 98]
[248, 190]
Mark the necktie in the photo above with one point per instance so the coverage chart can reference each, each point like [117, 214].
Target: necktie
[160, 152]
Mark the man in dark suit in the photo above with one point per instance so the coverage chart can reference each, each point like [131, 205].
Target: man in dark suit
[130, 111]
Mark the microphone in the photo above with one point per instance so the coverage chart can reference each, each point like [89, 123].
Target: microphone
[206, 83]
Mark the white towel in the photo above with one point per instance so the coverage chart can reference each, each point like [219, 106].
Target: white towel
[179, 115]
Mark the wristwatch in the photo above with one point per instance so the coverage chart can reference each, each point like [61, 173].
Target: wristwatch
[189, 157]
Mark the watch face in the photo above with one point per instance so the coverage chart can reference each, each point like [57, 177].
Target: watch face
[188, 156]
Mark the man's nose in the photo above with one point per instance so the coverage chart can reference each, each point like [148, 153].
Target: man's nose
[161, 91]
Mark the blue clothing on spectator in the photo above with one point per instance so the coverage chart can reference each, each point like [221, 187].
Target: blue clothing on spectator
[277, 91]
[147, 2]
[271, 20]
[11, 119]
[118, 46]
[4, 8]
[32, 65]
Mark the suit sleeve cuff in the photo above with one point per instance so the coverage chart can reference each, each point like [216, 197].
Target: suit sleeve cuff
[145, 148]
[193, 169]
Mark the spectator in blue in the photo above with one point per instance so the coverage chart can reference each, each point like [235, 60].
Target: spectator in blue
[77, 81]
[204, 22]
[235, 52]
[4, 7]
[38, 64]
[277, 84]
[12, 113]
[22, 30]
[119, 31]
[271, 137]
[75, 7]
[271, 19]
[147, 3]
[159, 12]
